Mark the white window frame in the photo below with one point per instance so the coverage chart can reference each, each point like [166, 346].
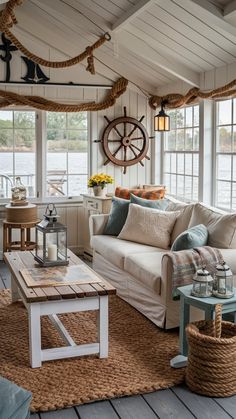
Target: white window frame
[40, 151]
[216, 153]
[192, 152]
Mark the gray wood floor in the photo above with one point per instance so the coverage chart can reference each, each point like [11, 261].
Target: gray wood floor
[175, 403]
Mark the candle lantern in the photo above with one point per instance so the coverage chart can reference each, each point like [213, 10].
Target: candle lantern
[51, 240]
[202, 283]
[223, 282]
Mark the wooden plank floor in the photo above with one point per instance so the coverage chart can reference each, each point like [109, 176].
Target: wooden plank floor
[174, 403]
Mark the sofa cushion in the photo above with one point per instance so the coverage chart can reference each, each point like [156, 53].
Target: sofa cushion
[14, 400]
[221, 227]
[115, 250]
[193, 237]
[117, 216]
[161, 204]
[149, 226]
[183, 218]
[155, 193]
[146, 268]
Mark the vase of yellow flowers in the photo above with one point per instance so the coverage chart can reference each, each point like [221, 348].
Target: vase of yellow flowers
[98, 183]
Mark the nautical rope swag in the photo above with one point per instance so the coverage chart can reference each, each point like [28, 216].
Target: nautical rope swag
[176, 100]
[8, 20]
[10, 98]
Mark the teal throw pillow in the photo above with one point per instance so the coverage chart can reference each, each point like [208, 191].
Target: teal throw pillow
[117, 216]
[193, 237]
[160, 204]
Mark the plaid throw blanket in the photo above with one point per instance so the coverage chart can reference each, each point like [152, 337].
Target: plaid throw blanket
[186, 262]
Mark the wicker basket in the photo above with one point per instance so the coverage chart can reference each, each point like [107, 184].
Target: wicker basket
[211, 368]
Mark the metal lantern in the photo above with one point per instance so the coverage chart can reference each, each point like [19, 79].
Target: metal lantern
[51, 240]
[162, 120]
[202, 283]
[223, 282]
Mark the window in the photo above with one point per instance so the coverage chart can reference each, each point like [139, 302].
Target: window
[17, 150]
[225, 188]
[67, 153]
[48, 152]
[181, 153]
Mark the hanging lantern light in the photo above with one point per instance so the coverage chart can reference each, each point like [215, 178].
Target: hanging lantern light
[51, 240]
[162, 120]
[223, 282]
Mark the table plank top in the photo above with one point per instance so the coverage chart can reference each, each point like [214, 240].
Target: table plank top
[17, 261]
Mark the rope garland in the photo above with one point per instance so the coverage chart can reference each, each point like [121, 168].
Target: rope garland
[8, 20]
[176, 100]
[10, 98]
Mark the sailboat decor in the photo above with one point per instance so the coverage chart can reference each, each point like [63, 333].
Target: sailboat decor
[34, 73]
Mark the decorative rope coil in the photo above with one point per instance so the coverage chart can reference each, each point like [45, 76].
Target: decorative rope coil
[8, 19]
[10, 98]
[176, 100]
[211, 368]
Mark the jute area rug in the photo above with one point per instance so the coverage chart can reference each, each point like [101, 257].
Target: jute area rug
[138, 362]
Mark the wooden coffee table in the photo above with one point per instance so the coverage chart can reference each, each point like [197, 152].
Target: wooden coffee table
[51, 301]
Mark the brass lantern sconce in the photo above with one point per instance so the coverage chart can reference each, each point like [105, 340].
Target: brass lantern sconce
[51, 240]
[162, 120]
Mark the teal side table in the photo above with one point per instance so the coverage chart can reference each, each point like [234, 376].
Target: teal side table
[205, 304]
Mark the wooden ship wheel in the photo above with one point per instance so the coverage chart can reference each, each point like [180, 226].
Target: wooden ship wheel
[125, 141]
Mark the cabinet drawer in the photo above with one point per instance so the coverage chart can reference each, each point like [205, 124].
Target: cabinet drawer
[91, 204]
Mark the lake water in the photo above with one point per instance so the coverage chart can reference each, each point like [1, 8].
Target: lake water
[24, 164]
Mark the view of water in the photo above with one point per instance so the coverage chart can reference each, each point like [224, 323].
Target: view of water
[25, 166]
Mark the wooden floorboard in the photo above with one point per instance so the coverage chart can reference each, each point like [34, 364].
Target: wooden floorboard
[201, 407]
[133, 407]
[60, 414]
[97, 410]
[167, 405]
[175, 403]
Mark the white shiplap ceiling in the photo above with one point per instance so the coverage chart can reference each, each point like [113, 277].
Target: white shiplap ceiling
[154, 42]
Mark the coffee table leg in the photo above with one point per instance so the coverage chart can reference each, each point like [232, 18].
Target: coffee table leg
[103, 326]
[14, 290]
[34, 335]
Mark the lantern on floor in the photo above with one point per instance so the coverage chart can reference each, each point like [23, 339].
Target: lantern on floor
[51, 240]
[223, 282]
[202, 283]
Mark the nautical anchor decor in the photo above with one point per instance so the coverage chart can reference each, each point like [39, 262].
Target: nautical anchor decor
[7, 47]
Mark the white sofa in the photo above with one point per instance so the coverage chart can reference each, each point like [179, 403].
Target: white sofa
[142, 273]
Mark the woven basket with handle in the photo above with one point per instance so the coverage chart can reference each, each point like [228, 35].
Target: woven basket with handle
[211, 368]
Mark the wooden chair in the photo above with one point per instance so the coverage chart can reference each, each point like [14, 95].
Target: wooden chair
[55, 182]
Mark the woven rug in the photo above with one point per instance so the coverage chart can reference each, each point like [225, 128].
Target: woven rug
[138, 362]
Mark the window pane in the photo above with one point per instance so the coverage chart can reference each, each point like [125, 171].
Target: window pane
[188, 164]
[17, 147]
[196, 139]
[167, 183]
[188, 187]
[173, 163]
[223, 193]
[223, 136]
[180, 160]
[195, 188]
[172, 115]
[189, 139]
[180, 140]
[224, 167]
[170, 141]
[180, 185]
[195, 164]
[189, 117]
[173, 184]
[179, 118]
[196, 116]
[225, 112]
[67, 157]
[234, 196]
[167, 162]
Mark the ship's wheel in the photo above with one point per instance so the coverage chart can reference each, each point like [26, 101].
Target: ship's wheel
[125, 141]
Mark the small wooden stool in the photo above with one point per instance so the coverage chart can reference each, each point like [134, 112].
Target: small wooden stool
[24, 243]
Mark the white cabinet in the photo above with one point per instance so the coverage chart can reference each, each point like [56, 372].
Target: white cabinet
[93, 205]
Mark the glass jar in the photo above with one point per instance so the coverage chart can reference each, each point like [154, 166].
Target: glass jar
[202, 284]
[18, 192]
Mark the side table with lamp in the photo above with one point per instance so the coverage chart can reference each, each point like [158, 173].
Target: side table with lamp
[205, 293]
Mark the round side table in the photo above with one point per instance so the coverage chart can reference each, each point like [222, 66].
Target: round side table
[24, 243]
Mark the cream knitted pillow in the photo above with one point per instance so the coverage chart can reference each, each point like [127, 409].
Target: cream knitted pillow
[148, 226]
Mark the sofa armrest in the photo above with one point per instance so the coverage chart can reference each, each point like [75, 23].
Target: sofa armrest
[166, 278]
[97, 223]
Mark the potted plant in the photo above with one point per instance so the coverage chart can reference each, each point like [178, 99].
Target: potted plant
[98, 183]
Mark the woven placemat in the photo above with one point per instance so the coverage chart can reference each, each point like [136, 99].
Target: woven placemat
[138, 362]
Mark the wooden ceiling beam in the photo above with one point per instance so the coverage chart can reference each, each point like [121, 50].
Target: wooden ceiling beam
[131, 13]
[230, 10]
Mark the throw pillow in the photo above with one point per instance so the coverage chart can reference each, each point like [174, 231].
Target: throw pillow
[148, 226]
[183, 219]
[155, 193]
[117, 216]
[161, 204]
[193, 237]
[221, 227]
